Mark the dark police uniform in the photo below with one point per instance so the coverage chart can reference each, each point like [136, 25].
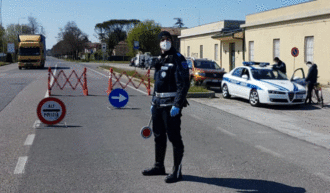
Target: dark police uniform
[311, 80]
[280, 66]
[171, 87]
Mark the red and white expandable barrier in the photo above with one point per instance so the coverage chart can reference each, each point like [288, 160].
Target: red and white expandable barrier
[130, 80]
[81, 80]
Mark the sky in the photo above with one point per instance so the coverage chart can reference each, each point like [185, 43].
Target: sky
[54, 14]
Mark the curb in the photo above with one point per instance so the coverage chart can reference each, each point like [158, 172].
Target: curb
[210, 94]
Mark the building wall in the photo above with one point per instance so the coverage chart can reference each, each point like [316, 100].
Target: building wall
[195, 43]
[226, 54]
[292, 33]
[202, 35]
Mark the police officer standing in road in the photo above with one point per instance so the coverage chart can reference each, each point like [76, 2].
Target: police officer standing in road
[170, 91]
[279, 65]
[311, 80]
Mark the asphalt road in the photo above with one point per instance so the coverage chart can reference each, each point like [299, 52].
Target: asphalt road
[99, 149]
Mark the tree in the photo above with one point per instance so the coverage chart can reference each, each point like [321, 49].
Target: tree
[33, 24]
[146, 33]
[178, 23]
[2, 38]
[11, 35]
[114, 31]
[72, 40]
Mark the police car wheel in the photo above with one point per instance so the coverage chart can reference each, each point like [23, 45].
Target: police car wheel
[225, 92]
[254, 98]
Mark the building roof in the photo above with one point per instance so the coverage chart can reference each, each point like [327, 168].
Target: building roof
[172, 30]
[122, 43]
[91, 45]
[229, 34]
[211, 28]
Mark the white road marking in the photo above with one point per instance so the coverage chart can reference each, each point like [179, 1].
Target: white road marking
[51, 81]
[119, 81]
[36, 124]
[323, 176]
[29, 140]
[226, 132]
[20, 165]
[265, 150]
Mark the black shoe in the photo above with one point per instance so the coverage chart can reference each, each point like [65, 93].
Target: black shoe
[175, 176]
[155, 171]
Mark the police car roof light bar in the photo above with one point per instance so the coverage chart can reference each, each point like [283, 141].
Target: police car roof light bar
[261, 64]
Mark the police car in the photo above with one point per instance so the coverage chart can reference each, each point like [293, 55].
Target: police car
[260, 84]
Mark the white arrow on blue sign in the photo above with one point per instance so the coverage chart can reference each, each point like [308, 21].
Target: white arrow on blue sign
[118, 98]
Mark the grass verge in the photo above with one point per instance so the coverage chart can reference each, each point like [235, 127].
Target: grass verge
[4, 63]
[129, 73]
[198, 89]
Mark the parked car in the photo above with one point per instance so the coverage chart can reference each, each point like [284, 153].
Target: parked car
[141, 59]
[151, 62]
[260, 84]
[205, 72]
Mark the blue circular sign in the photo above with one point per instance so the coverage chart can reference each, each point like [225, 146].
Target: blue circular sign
[118, 98]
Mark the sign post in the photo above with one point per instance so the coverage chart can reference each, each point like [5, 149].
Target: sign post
[104, 49]
[294, 53]
[51, 111]
[11, 48]
[136, 45]
[118, 98]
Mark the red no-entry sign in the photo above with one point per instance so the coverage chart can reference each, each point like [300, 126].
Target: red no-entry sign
[294, 52]
[51, 111]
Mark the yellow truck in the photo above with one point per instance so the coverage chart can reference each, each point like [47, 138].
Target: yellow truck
[31, 51]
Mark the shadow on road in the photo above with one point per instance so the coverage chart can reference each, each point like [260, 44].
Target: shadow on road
[60, 126]
[124, 108]
[46, 68]
[245, 185]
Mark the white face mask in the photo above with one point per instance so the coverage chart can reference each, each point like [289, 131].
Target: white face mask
[309, 65]
[165, 45]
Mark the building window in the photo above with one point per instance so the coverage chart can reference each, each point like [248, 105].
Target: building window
[216, 51]
[188, 51]
[309, 49]
[201, 51]
[276, 48]
[251, 50]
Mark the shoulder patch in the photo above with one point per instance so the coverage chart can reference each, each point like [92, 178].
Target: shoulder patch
[178, 54]
[184, 64]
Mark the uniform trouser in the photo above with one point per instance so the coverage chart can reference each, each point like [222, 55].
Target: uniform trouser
[166, 126]
[309, 91]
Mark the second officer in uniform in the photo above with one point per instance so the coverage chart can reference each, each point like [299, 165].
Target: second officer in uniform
[170, 91]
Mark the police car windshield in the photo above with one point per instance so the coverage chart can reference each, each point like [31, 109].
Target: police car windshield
[206, 64]
[268, 74]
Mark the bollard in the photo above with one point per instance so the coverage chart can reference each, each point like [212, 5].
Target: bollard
[85, 89]
[110, 81]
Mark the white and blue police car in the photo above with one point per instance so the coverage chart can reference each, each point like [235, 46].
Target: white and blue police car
[260, 84]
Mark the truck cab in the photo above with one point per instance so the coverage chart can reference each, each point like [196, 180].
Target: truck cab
[31, 51]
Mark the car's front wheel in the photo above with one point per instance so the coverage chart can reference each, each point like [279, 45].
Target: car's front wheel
[225, 91]
[254, 98]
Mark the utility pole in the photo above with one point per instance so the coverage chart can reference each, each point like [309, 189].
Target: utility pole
[3, 47]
